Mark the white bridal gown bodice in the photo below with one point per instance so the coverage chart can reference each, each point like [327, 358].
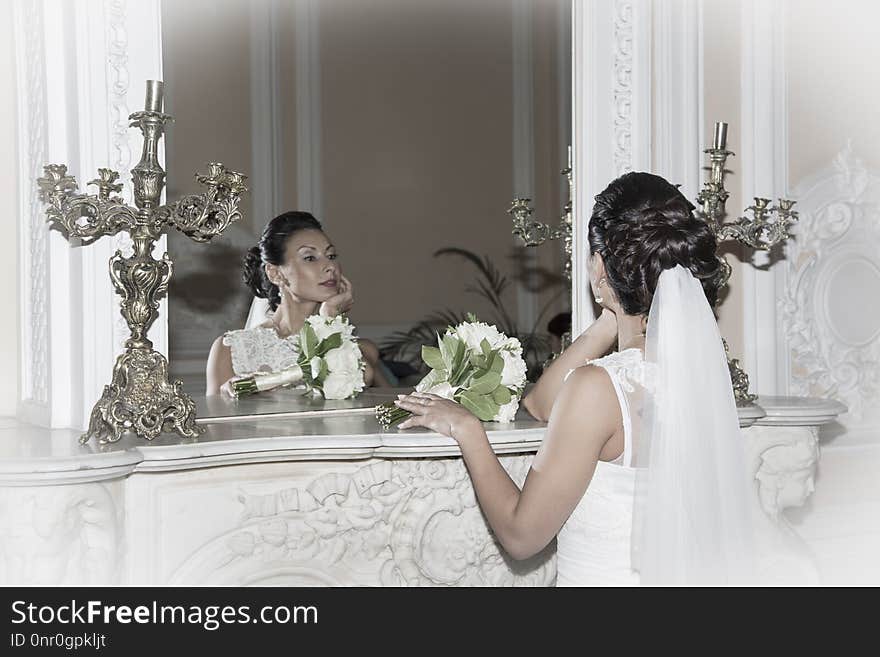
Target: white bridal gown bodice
[259, 349]
[593, 546]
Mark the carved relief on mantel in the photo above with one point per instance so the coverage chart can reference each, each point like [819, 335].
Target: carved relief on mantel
[830, 320]
[61, 535]
[398, 523]
[784, 462]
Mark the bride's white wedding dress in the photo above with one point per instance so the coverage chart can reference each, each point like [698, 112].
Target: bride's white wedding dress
[593, 546]
[259, 349]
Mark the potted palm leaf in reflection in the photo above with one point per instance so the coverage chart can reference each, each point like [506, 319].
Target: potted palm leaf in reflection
[490, 284]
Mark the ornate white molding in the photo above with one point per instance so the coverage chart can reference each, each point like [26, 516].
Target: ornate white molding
[118, 84]
[308, 107]
[61, 535]
[623, 94]
[391, 523]
[612, 109]
[783, 461]
[33, 232]
[832, 264]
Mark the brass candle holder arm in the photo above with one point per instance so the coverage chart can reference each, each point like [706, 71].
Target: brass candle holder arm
[87, 217]
[202, 217]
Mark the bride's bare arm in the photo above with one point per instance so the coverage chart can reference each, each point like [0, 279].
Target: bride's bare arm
[584, 418]
[219, 369]
[595, 342]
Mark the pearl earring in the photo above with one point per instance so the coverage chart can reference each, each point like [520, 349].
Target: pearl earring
[599, 299]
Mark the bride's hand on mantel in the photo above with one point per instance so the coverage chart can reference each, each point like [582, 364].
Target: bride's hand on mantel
[339, 303]
[438, 414]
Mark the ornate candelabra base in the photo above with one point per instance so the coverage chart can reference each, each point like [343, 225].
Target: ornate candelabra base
[140, 398]
[143, 400]
[739, 379]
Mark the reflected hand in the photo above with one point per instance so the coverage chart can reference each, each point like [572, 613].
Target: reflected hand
[339, 303]
[226, 389]
[438, 414]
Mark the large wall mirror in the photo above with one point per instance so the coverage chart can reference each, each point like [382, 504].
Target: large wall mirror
[406, 126]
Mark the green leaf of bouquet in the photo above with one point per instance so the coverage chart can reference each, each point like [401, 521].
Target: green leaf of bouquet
[308, 339]
[463, 372]
[502, 395]
[459, 360]
[433, 358]
[330, 342]
[324, 371]
[485, 347]
[485, 384]
[483, 406]
[431, 379]
[497, 363]
[448, 347]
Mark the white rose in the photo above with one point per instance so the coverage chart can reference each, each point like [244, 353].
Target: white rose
[340, 385]
[473, 333]
[507, 412]
[345, 358]
[327, 326]
[315, 365]
[514, 373]
[443, 390]
[513, 345]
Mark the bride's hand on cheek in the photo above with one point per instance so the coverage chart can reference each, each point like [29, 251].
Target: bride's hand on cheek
[444, 416]
[339, 303]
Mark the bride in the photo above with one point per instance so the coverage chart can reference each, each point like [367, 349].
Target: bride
[641, 474]
[296, 268]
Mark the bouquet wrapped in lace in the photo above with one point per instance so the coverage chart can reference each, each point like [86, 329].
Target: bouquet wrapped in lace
[328, 362]
[477, 366]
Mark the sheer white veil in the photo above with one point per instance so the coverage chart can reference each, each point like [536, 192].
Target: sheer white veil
[258, 313]
[691, 519]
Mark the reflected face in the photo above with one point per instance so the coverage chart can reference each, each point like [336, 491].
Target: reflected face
[310, 268]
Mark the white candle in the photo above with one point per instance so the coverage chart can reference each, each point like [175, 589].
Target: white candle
[153, 102]
[720, 141]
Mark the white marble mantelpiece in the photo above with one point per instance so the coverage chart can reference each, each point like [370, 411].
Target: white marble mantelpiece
[311, 500]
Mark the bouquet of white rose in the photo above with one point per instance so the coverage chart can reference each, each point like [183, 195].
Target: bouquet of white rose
[476, 365]
[328, 362]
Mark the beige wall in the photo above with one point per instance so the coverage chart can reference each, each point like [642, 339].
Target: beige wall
[206, 62]
[832, 61]
[9, 244]
[416, 142]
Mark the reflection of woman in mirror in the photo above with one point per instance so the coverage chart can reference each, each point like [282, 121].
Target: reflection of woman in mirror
[294, 267]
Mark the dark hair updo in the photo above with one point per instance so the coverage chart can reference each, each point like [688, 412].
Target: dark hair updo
[641, 225]
[271, 251]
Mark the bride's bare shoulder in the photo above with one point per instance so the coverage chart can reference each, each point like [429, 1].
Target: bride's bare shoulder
[588, 392]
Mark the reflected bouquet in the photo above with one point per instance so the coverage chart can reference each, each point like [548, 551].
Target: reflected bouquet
[328, 362]
[477, 366]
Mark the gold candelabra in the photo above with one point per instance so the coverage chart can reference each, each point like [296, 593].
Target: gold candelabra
[140, 398]
[534, 233]
[767, 227]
